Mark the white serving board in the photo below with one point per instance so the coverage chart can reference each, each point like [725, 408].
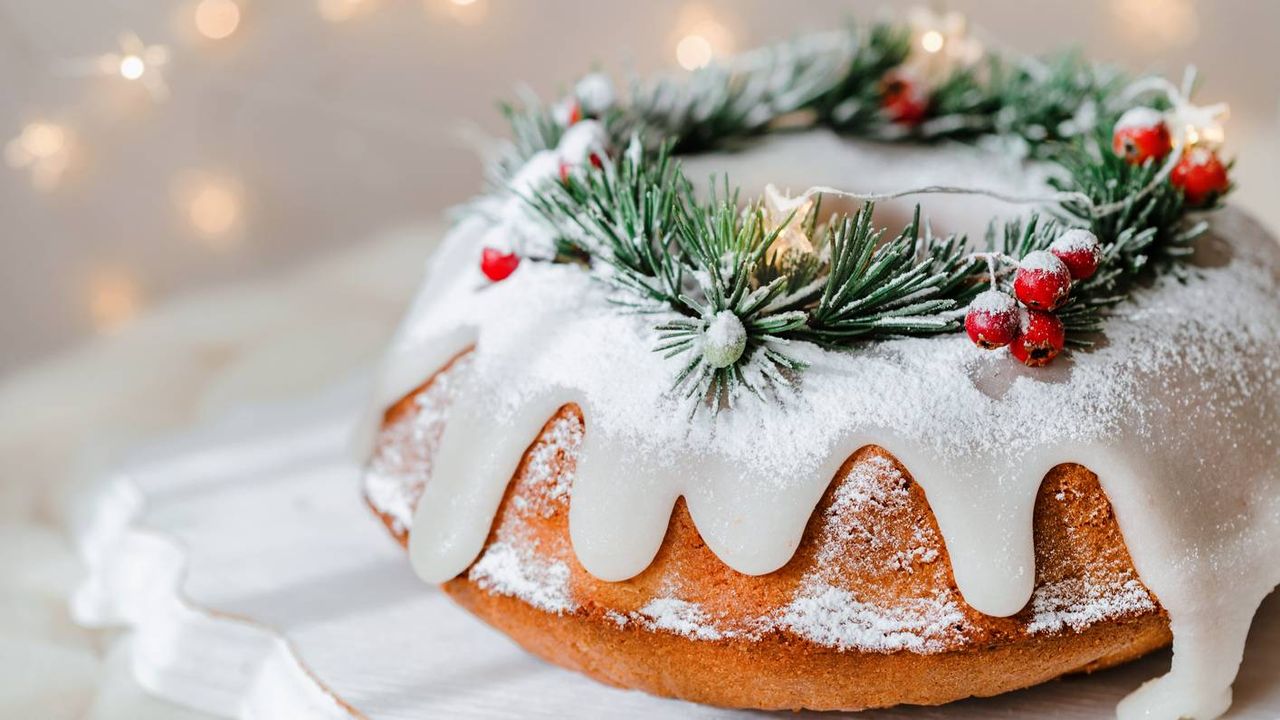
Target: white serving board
[259, 586]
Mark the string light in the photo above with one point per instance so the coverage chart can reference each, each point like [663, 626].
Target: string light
[336, 11]
[212, 206]
[467, 12]
[700, 38]
[693, 52]
[1156, 24]
[138, 62]
[1203, 126]
[217, 19]
[940, 43]
[932, 41]
[115, 298]
[132, 67]
[44, 149]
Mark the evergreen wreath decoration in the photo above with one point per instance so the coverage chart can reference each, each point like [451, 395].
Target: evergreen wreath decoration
[732, 282]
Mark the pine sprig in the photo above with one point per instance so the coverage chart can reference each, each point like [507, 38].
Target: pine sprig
[1107, 179]
[884, 289]
[852, 103]
[533, 129]
[625, 218]
[725, 246]
[729, 306]
[1042, 102]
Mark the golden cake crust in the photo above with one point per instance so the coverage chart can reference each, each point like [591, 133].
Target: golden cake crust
[770, 641]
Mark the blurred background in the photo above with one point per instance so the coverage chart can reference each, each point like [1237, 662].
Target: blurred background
[153, 148]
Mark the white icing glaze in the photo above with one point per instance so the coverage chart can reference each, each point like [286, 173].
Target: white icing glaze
[1175, 412]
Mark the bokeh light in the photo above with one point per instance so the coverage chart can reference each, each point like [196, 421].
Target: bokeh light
[132, 67]
[217, 19]
[212, 205]
[700, 37]
[115, 298]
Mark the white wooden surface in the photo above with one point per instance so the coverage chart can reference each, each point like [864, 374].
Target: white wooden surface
[259, 586]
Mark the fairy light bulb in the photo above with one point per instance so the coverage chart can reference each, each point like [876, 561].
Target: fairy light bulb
[217, 19]
[693, 52]
[700, 37]
[43, 140]
[132, 67]
[932, 41]
[1202, 125]
[940, 44]
[463, 12]
[137, 62]
[1155, 25]
[336, 11]
[42, 148]
[214, 210]
[115, 298]
[212, 205]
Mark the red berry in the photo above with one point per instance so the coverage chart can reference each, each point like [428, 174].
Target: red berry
[1042, 339]
[1042, 281]
[498, 265]
[993, 320]
[1201, 176]
[1080, 251]
[573, 113]
[903, 100]
[1141, 134]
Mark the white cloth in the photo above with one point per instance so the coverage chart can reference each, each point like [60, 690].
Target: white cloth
[260, 342]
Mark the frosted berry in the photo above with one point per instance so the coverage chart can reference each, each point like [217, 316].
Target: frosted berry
[1201, 176]
[1042, 281]
[1141, 134]
[993, 320]
[1042, 339]
[595, 94]
[903, 100]
[724, 340]
[1080, 251]
[498, 265]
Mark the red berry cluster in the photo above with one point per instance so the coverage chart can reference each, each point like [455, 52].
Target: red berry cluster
[903, 99]
[1041, 284]
[1142, 134]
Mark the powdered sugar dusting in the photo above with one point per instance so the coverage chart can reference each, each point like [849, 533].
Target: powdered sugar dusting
[857, 528]
[515, 569]
[515, 564]
[680, 617]
[1077, 603]
[835, 617]
[399, 469]
[546, 482]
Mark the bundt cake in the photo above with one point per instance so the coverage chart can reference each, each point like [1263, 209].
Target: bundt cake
[801, 512]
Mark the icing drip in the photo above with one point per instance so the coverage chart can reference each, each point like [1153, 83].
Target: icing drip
[873, 494]
[1175, 412]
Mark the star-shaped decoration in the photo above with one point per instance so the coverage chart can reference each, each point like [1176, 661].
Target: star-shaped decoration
[940, 45]
[140, 63]
[787, 215]
[1202, 125]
